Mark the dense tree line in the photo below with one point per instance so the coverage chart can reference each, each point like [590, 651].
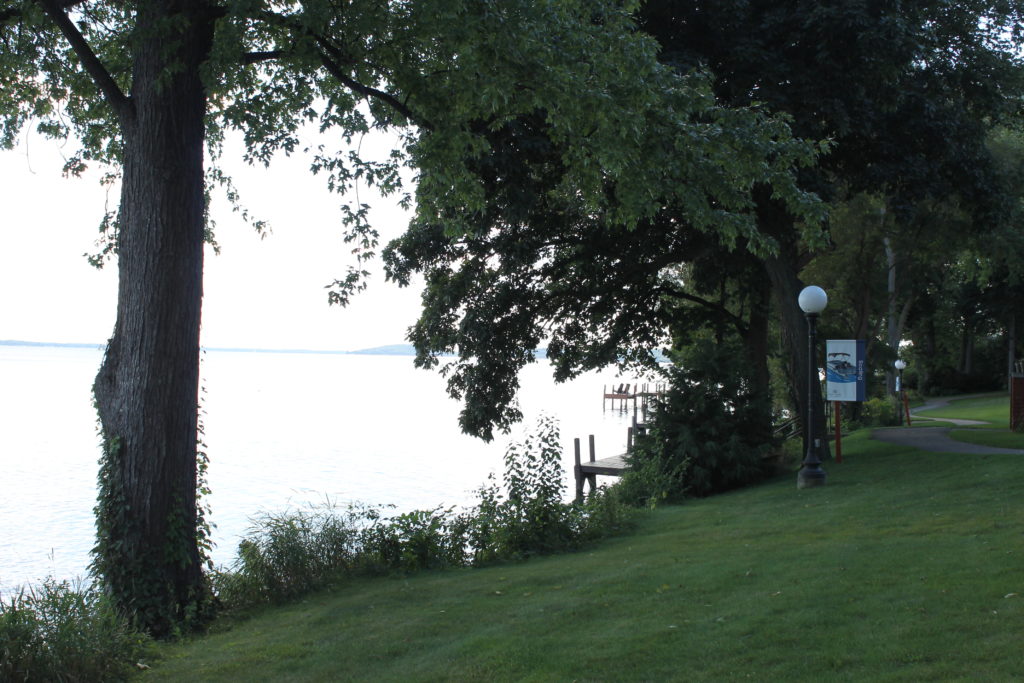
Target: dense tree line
[914, 104]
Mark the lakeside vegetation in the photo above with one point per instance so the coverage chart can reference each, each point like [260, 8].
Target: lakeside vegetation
[905, 566]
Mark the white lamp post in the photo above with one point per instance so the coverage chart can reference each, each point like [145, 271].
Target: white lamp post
[812, 302]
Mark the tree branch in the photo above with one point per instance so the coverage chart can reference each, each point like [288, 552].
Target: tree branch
[8, 13]
[257, 57]
[118, 101]
[330, 57]
[679, 293]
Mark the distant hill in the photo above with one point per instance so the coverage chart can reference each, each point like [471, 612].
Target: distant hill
[389, 350]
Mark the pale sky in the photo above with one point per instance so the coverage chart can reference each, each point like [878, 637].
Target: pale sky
[265, 293]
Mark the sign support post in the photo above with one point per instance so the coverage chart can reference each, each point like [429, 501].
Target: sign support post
[837, 419]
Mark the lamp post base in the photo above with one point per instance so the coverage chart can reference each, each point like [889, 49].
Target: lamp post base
[810, 476]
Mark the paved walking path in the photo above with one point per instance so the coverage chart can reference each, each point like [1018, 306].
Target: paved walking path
[936, 439]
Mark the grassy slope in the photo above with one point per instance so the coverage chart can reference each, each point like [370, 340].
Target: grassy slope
[897, 570]
[994, 409]
[990, 437]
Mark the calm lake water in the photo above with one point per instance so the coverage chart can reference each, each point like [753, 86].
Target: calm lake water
[281, 430]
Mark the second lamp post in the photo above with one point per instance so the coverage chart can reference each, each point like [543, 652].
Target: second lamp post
[812, 302]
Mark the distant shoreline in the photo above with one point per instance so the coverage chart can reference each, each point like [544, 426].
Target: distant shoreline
[389, 350]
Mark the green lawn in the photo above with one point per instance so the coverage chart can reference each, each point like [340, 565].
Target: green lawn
[994, 409]
[906, 566]
[990, 437]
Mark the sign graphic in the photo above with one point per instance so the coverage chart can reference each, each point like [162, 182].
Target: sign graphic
[845, 370]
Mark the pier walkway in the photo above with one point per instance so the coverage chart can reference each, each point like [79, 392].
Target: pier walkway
[612, 466]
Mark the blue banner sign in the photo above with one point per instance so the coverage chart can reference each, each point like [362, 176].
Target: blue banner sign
[845, 372]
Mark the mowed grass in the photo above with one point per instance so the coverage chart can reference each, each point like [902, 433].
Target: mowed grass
[905, 566]
[993, 409]
[989, 437]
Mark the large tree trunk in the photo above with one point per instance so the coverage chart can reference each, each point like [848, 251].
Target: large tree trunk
[1011, 348]
[893, 337]
[756, 342]
[967, 346]
[147, 388]
[782, 272]
[930, 353]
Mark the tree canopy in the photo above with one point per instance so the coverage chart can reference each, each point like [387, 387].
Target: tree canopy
[905, 97]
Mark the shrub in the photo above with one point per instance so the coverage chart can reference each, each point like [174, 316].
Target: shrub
[710, 432]
[604, 513]
[880, 412]
[417, 540]
[531, 517]
[59, 632]
[287, 554]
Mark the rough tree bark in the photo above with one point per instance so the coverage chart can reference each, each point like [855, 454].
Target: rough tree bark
[147, 387]
[782, 270]
[756, 342]
[1011, 348]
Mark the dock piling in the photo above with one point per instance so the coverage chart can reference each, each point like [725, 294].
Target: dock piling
[577, 471]
[592, 478]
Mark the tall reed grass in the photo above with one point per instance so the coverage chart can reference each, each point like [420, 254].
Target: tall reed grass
[65, 632]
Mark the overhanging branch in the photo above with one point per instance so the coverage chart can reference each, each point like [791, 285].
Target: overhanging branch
[331, 57]
[118, 101]
[679, 293]
[333, 60]
[257, 57]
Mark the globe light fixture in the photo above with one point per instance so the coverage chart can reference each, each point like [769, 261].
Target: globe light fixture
[812, 301]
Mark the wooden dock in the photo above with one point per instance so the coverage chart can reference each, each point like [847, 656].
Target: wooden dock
[640, 394]
[612, 466]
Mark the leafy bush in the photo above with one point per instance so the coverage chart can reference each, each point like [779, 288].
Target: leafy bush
[287, 554]
[531, 517]
[709, 433]
[63, 633]
[880, 412]
[417, 540]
